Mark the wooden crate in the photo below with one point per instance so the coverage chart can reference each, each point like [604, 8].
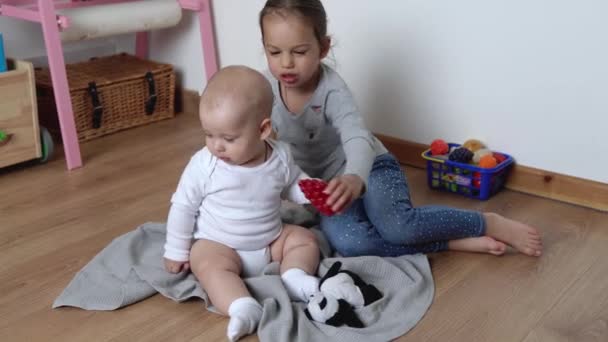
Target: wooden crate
[125, 86]
[18, 114]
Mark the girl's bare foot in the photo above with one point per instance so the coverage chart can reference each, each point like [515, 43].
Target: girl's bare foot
[518, 235]
[482, 244]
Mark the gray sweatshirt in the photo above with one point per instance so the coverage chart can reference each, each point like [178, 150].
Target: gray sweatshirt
[328, 137]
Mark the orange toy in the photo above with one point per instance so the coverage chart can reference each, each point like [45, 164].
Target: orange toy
[487, 162]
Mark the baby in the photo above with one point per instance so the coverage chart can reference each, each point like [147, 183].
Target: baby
[228, 201]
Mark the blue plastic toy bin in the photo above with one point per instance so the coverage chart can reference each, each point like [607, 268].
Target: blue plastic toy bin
[465, 179]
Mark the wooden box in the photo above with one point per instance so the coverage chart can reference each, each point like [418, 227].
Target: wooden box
[18, 114]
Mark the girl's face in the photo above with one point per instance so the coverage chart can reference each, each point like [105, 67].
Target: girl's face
[293, 52]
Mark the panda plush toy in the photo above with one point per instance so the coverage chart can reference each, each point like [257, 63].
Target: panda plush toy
[327, 309]
[340, 293]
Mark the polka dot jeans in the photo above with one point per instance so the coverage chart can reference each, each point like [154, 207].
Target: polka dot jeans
[384, 223]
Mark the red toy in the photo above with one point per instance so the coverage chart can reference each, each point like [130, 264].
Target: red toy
[313, 190]
[499, 157]
[438, 147]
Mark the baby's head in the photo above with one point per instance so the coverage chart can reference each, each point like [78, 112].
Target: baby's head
[294, 34]
[235, 114]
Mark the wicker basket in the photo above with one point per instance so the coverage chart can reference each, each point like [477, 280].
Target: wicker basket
[110, 94]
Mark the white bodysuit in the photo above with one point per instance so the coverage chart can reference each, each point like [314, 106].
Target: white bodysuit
[234, 205]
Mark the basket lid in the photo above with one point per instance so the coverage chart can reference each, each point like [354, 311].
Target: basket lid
[104, 70]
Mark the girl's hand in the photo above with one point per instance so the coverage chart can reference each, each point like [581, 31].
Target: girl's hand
[176, 266]
[343, 191]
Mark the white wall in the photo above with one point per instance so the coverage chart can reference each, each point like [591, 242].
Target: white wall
[526, 77]
[24, 40]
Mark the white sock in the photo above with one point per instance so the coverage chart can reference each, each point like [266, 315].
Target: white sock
[300, 285]
[245, 314]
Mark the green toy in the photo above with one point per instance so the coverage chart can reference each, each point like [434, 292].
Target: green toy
[4, 138]
[46, 143]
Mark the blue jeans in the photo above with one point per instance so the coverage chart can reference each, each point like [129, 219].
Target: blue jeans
[383, 222]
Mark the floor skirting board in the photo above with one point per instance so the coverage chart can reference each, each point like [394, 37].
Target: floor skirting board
[525, 179]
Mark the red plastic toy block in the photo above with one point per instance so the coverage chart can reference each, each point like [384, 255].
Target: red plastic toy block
[313, 190]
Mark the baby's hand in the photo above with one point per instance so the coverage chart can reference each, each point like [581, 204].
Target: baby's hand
[343, 191]
[176, 266]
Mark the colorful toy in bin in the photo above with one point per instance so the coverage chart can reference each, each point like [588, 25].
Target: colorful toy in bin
[467, 179]
[461, 155]
[499, 157]
[473, 145]
[488, 161]
[2, 56]
[479, 154]
[439, 147]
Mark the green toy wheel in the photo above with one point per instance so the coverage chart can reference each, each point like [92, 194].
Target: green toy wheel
[47, 145]
[4, 138]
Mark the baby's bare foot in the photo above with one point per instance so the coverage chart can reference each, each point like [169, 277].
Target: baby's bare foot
[482, 244]
[518, 235]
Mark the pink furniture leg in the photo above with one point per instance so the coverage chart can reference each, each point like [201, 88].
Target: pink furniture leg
[46, 15]
[60, 84]
[141, 45]
[205, 20]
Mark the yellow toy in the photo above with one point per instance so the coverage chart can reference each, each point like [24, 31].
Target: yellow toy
[473, 145]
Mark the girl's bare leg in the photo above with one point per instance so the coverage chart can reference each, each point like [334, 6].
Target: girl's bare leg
[522, 237]
[482, 244]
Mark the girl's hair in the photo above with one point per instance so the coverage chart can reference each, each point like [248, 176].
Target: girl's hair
[311, 10]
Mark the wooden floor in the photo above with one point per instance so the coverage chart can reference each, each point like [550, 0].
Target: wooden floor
[52, 222]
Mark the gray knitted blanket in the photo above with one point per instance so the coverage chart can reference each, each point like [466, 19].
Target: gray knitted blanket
[130, 269]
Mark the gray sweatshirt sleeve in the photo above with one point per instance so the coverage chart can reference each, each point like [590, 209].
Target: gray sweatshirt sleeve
[357, 141]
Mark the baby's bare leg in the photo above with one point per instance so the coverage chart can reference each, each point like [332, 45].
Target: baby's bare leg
[296, 247]
[217, 268]
[298, 252]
